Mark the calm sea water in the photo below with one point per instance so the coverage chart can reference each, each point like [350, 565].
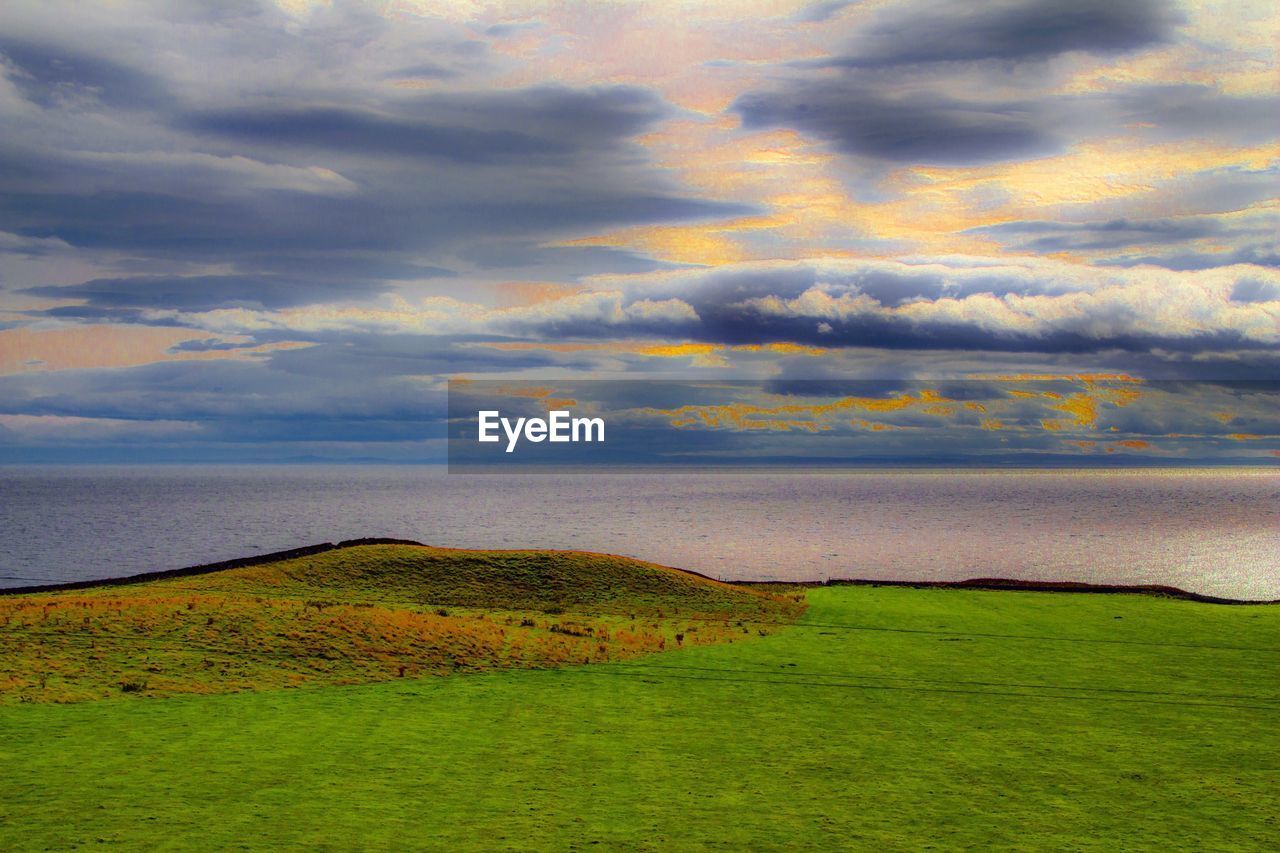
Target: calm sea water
[1215, 532]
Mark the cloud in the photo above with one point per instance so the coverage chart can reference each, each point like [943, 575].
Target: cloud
[816, 13]
[1045, 236]
[1183, 260]
[32, 246]
[950, 303]
[54, 75]
[208, 292]
[423, 69]
[284, 148]
[1175, 111]
[591, 314]
[906, 125]
[61, 428]
[1179, 243]
[546, 122]
[1013, 30]
[1256, 290]
[919, 128]
[952, 84]
[532, 260]
[276, 223]
[367, 132]
[976, 304]
[354, 265]
[216, 392]
[193, 173]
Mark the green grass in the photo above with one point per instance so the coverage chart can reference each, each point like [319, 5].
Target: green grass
[886, 718]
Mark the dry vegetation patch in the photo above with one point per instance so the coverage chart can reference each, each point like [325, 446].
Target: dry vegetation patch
[364, 614]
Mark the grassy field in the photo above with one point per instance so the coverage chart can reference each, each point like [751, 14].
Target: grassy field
[364, 614]
[886, 718]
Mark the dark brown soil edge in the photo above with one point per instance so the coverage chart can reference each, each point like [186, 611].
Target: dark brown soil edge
[205, 569]
[1010, 584]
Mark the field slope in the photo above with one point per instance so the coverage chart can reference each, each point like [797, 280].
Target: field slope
[359, 614]
[884, 719]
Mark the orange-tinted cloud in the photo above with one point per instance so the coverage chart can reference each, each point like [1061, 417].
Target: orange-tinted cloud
[518, 294]
[788, 416]
[26, 349]
[1082, 408]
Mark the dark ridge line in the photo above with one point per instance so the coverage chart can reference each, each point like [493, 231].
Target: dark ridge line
[206, 568]
[1008, 584]
[292, 553]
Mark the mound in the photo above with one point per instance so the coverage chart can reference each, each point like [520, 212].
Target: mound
[362, 613]
[498, 580]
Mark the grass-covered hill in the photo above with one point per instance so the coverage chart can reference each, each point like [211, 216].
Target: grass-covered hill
[501, 580]
[363, 613]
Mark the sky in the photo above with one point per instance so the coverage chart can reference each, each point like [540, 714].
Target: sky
[260, 232]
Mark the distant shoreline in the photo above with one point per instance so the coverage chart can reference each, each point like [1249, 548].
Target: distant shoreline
[990, 584]
[772, 464]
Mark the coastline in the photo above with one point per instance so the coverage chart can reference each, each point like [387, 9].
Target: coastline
[987, 584]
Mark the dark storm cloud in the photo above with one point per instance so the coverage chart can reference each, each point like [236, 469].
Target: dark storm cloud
[192, 227]
[581, 117]
[488, 127]
[1007, 31]
[53, 75]
[401, 219]
[742, 325]
[207, 292]
[893, 93]
[920, 128]
[366, 132]
[931, 128]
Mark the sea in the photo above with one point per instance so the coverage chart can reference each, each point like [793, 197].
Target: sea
[1211, 531]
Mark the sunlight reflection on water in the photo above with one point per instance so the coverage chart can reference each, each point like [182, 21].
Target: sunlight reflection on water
[1211, 531]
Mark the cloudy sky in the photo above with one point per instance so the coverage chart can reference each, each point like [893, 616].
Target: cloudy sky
[269, 231]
